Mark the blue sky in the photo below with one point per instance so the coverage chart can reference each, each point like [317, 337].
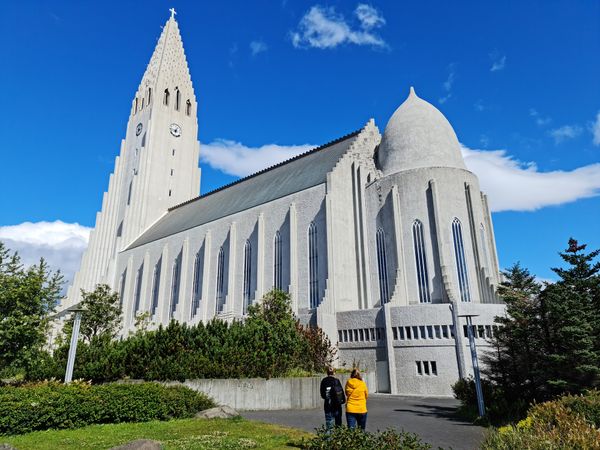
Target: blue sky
[517, 80]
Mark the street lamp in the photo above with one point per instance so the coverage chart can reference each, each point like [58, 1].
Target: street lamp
[78, 310]
[478, 390]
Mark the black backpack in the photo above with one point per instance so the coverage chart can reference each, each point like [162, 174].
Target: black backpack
[338, 397]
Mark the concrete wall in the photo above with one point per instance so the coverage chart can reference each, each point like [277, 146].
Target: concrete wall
[251, 394]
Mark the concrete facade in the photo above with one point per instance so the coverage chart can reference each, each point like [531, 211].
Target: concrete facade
[381, 240]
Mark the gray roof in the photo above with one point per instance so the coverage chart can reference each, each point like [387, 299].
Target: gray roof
[297, 174]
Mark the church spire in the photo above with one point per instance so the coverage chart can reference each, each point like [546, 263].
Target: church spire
[168, 69]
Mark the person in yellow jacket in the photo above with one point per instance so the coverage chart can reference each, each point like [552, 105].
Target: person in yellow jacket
[356, 401]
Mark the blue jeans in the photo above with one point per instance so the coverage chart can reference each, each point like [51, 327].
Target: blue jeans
[335, 415]
[355, 418]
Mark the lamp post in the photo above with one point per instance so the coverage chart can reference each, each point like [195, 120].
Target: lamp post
[478, 390]
[74, 338]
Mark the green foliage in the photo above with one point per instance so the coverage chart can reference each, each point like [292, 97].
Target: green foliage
[53, 405]
[27, 297]
[102, 314]
[269, 343]
[567, 423]
[343, 438]
[548, 343]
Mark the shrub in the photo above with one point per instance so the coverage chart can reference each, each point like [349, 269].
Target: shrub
[54, 405]
[552, 425]
[343, 438]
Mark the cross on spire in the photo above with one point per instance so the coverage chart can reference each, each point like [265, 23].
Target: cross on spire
[172, 13]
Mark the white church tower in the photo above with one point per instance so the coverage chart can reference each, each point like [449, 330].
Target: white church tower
[156, 169]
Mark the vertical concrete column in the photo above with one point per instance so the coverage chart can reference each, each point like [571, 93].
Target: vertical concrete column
[260, 259]
[389, 343]
[183, 308]
[400, 294]
[127, 294]
[206, 279]
[146, 293]
[495, 269]
[474, 243]
[294, 257]
[164, 289]
[231, 271]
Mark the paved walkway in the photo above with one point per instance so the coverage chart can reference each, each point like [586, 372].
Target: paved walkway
[431, 418]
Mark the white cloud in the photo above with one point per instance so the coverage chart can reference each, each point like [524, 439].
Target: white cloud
[322, 27]
[596, 130]
[257, 47]
[447, 85]
[240, 160]
[565, 132]
[539, 120]
[498, 61]
[60, 244]
[516, 186]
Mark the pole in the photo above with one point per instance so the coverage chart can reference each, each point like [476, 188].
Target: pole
[478, 390]
[73, 347]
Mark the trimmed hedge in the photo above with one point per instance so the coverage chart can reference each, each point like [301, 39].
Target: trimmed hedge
[55, 405]
[343, 438]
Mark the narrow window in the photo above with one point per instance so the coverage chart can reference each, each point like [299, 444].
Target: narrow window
[421, 262]
[149, 95]
[350, 336]
[426, 367]
[445, 331]
[277, 262]
[129, 192]
[144, 140]
[313, 266]
[169, 192]
[395, 332]
[419, 369]
[120, 229]
[156, 286]
[401, 333]
[177, 99]
[408, 333]
[356, 335]
[340, 335]
[382, 267]
[173, 152]
[197, 286]
[175, 281]
[220, 297]
[247, 275]
[429, 332]
[171, 172]
[138, 290]
[422, 332]
[433, 367]
[480, 331]
[361, 335]
[188, 108]
[488, 331]
[461, 264]
[122, 288]
[415, 332]
[142, 103]
[345, 335]
[166, 98]
[135, 108]
[438, 333]
[372, 334]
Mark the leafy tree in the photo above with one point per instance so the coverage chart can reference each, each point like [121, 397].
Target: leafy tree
[27, 297]
[102, 314]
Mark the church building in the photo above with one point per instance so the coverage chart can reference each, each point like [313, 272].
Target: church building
[384, 241]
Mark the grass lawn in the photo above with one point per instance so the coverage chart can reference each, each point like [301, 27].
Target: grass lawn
[175, 434]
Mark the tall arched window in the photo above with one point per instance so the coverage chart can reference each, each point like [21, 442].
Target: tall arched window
[277, 261]
[156, 285]
[177, 99]
[188, 108]
[461, 263]
[220, 295]
[421, 262]
[313, 266]
[166, 98]
[197, 286]
[382, 267]
[176, 278]
[138, 290]
[247, 275]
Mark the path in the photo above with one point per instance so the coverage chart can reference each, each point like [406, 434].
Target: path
[431, 418]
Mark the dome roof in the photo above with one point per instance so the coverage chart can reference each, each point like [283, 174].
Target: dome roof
[418, 135]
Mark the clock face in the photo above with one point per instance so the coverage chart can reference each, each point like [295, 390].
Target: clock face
[139, 129]
[175, 129]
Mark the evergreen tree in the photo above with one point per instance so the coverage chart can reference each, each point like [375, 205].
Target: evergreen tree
[571, 313]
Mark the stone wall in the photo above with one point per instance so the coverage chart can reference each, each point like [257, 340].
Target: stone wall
[252, 394]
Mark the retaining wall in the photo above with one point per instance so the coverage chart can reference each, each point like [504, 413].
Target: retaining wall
[251, 394]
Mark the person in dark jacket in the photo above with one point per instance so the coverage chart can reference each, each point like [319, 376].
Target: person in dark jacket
[333, 394]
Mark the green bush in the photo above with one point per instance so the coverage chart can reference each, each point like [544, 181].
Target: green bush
[499, 410]
[268, 343]
[566, 423]
[54, 405]
[343, 438]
